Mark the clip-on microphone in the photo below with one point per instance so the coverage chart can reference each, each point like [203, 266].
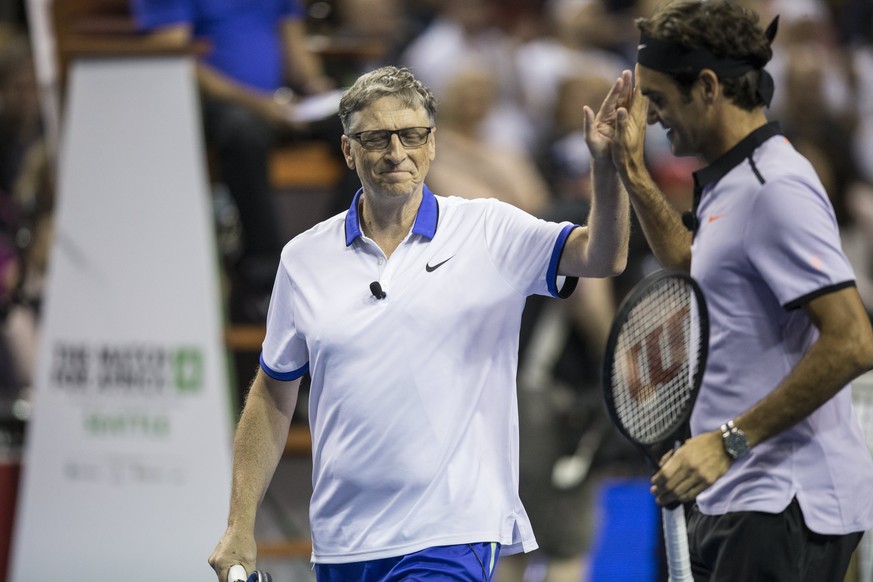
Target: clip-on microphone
[376, 290]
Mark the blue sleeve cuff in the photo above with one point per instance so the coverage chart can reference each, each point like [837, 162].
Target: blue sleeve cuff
[283, 376]
[552, 274]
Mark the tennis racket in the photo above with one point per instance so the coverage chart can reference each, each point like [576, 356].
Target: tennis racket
[652, 369]
[238, 574]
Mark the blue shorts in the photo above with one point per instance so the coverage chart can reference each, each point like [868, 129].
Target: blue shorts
[463, 562]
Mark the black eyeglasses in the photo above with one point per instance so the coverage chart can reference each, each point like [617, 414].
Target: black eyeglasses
[378, 139]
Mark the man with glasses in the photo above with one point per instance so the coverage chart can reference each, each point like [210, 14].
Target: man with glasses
[405, 310]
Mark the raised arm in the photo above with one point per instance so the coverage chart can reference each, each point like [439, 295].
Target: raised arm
[599, 249]
[258, 445]
[662, 225]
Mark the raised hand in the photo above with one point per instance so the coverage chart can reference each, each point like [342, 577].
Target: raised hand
[600, 129]
[630, 133]
[690, 469]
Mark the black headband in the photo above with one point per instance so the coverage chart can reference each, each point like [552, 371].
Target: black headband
[675, 59]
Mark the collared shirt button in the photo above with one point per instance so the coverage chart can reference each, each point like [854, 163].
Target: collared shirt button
[381, 262]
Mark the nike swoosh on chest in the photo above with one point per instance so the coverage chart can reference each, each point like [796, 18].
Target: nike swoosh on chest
[431, 268]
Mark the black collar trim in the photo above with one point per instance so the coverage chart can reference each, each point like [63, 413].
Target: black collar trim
[727, 162]
[735, 156]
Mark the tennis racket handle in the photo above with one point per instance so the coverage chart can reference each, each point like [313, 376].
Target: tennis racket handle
[676, 542]
[237, 574]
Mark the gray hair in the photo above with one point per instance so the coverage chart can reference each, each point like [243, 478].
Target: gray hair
[388, 81]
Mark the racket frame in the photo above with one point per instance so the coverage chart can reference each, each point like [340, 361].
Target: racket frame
[673, 516]
[678, 425]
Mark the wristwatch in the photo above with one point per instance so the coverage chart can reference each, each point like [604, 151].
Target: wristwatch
[735, 443]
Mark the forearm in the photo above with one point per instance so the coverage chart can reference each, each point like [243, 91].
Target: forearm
[843, 351]
[218, 86]
[209, 81]
[601, 249]
[702, 460]
[662, 226]
[824, 370]
[258, 445]
[609, 220]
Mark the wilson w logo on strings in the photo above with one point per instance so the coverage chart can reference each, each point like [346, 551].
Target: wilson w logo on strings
[656, 356]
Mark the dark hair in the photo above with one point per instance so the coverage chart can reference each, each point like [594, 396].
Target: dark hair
[727, 29]
[386, 82]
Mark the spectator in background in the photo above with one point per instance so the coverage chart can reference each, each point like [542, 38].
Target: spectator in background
[26, 209]
[257, 57]
[469, 165]
[465, 30]
[562, 48]
[825, 131]
[860, 54]
[383, 27]
[12, 20]
[461, 30]
[20, 118]
[857, 238]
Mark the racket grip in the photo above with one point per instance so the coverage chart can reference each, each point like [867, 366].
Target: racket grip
[237, 574]
[676, 542]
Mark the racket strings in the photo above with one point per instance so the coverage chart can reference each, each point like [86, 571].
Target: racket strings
[657, 358]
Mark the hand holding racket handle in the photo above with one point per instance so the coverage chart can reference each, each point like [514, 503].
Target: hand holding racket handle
[676, 540]
[237, 574]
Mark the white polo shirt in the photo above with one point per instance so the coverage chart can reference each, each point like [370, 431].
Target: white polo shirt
[412, 404]
[768, 243]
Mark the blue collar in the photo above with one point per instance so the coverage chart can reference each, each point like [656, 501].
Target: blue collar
[425, 221]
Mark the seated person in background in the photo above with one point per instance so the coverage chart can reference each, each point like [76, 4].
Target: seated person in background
[257, 49]
[462, 31]
[26, 211]
[469, 165]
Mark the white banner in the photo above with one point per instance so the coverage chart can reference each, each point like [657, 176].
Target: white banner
[127, 456]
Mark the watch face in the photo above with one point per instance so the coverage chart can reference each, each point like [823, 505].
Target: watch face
[735, 444]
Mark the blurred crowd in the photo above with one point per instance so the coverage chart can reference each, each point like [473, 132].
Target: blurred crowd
[26, 205]
[511, 77]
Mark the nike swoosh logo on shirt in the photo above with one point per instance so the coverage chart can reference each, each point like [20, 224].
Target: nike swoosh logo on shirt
[714, 217]
[431, 268]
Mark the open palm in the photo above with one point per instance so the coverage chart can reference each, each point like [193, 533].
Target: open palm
[618, 131]
[600, 129]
